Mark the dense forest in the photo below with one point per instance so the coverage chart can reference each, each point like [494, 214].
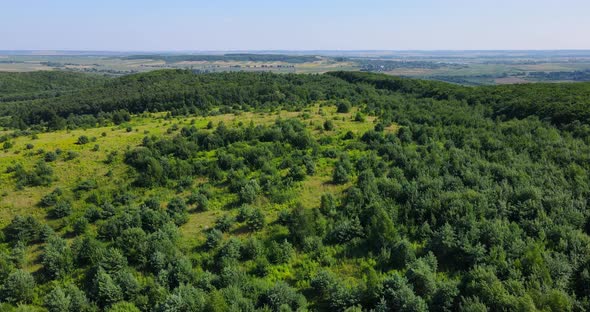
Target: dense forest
[453, 198]
[26, 86]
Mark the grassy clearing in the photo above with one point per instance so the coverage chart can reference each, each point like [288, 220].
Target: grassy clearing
[90, 163]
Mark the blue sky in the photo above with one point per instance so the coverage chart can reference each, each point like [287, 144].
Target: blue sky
[133, 25]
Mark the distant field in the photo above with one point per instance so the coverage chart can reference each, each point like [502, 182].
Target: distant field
[463, 67]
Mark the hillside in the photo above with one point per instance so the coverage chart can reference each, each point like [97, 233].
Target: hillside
[172, 191]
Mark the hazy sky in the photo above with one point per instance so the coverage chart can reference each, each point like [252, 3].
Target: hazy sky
[294, 25]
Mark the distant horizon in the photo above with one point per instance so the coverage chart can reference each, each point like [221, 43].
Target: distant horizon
[277, 51]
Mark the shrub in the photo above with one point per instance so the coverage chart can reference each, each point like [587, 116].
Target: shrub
[343, 107]
[83, 140]
[340, 175]
[224, 223]
[249, 192]
[255, 221]
[280, 253]
[214, 238]
[41, 175]
[80, 225]
[50, 156]
[359, 117]
[23, 229]
[70, 155]
[50, 199]
[328, 125]
[62, 209]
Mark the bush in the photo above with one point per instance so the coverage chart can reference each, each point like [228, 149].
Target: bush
[359, 117]
[224, 223]
[343, 107]
[340, 175]
[214, 238]
[82, 140]
[50, 156]
[23, 229]
[328, 125]
[280, 253]
[50, 199]
[255, 221]
[283, 296]
[62, 209]
[41, 175]
[249, 192]
[80, 225]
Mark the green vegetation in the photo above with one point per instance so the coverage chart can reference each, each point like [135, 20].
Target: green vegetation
[171, 191]
[25, 86]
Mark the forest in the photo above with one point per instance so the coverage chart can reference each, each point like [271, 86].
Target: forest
[345, 191]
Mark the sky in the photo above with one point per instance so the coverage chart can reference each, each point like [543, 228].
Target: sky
[225, 25]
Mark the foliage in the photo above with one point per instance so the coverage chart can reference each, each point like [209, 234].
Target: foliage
[422, 196]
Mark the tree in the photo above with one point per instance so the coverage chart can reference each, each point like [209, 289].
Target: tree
[184, 298]
[224, 223]
[256, 220]
[57, 259]
[23, 229]
[340, 175]
[58, 300]
[62, 209]
[282, 295]
[80, 225]
[19, 287]
[107, 292]
[398, 296]
[280, 252]
[214, 238]
[380, 230]
[123, 306]
[301, 224]
[422, 275]
[249, 192]
[177, 209]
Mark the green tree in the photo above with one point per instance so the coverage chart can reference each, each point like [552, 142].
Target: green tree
[123, 306]
[19, 287]
[107, 292]
[58, 300]
[184, 298]
[57, 258]
[340, 175]
[249, 192]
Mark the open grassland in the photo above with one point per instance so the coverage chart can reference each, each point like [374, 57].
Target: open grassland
[90, 162]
